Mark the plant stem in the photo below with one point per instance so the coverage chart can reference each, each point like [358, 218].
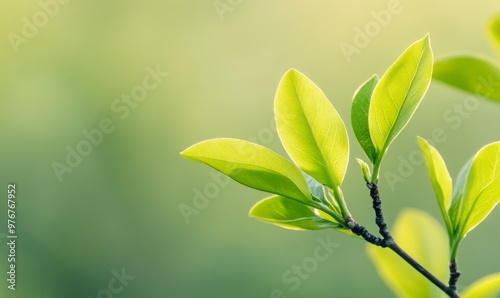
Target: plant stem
[454, 275]
[388, 241]
[339, 196]
[376, 168]
[398, 250]
[363, 232]
[338, 217]
[377, 206]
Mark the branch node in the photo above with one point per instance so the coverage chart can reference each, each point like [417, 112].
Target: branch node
[454, 275]
[359, 230]
[388, 241]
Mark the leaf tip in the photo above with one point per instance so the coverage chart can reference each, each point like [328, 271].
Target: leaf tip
[292, 72]
[422, 141]
[374, 77]
[426, 40]
[372, 80]
[185, 153]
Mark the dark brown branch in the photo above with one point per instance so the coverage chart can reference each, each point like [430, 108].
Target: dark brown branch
[363, 232]
[448, 290]
[388, 241]
[454, 275]
[377, 206]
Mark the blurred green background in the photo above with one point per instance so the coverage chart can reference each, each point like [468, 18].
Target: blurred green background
[119, 209]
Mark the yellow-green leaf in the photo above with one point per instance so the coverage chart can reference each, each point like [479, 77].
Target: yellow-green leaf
[440, 178]
[423, 238]
[311, 130]
[365, 170]
[494, 30]
[252, 165]
[359, 116]
[482, 192]
[398, 94]
[459, 185]
[486, 287]
[291, 214]
[470, 74]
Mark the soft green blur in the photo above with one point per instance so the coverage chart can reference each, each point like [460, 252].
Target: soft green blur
[119, 208]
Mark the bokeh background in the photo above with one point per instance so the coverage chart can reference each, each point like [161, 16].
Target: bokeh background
[119, 209]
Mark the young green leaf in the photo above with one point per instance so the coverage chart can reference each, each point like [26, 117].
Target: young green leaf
[494, 30]
[398, 94]
[359, 116]
[455, 210]
[290, 214]
[316, 188]
[252, 165]
[422, 237]
[471, 74]
[441, 180]
[482, 192]
[322, 193]
[311, 130]
[365, 170]
[486, 287]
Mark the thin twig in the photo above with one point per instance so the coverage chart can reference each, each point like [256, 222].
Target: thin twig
[448, 290]
[388, 241]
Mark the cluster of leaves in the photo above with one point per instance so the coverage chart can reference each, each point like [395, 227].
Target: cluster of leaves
[473, 196]
[315, 138]
[307, 193]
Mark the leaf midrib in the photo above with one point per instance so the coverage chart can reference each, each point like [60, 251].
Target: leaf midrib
[246, 164]
[469, 213]
[404, 101]
[329, 172]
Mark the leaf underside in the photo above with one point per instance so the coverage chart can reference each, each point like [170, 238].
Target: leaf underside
[474, 75]
[291, 214]
[252, 165]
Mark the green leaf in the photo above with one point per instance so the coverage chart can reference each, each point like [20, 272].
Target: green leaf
[316, 188]
[365, 170]
[359, 116]
[398, 94]
[458, 194]
[471, 74]
[252, 165]
[482, 192]
[322, 193]
[494, 30]
[422, 237]
[486, 287]
[441, 180]
[291, 214]
[311, 130]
